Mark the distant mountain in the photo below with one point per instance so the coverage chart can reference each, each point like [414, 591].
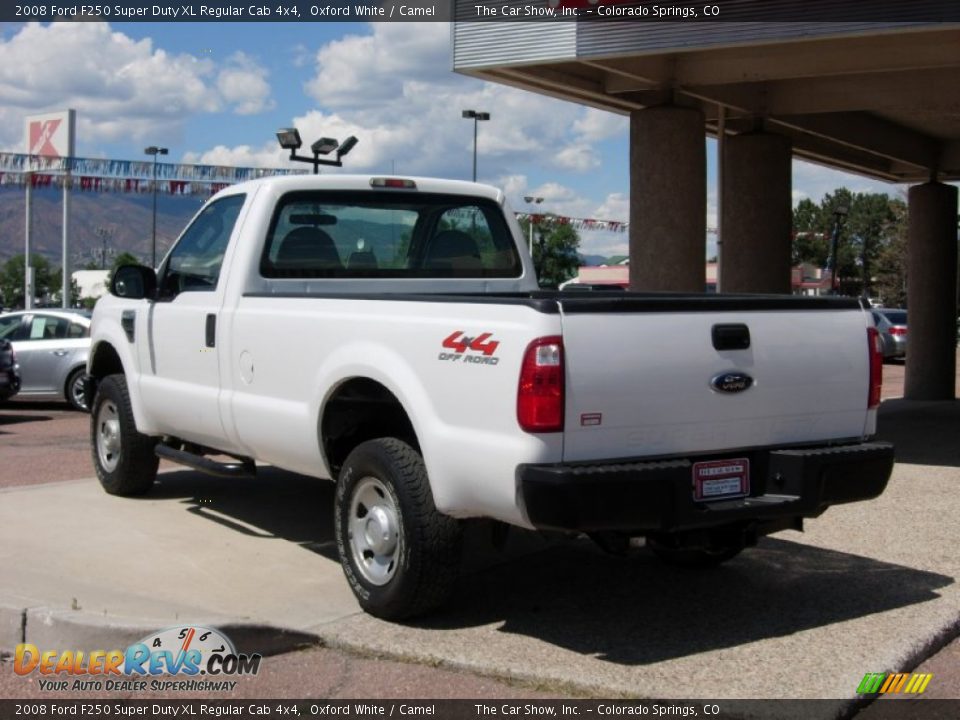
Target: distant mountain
[123, 221]
[593, 260]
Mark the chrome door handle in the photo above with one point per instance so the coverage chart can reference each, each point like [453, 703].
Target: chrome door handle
[60, 353]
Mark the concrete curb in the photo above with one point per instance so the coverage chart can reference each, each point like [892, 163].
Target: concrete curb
[54, 629]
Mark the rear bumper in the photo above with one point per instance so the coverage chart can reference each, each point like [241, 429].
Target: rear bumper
[640, 497]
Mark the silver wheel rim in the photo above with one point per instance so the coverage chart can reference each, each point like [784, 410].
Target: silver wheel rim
[108, 436]
[76, 392]
[374, 531]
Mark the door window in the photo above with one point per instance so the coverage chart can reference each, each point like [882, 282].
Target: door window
[9, 326]
[47, 327]
[194, 263]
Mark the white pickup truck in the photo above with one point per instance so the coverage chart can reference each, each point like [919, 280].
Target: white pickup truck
[389, 334]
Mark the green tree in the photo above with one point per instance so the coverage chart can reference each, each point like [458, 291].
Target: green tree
[12, 279]
[867, 229]
[891, 266]
[555, 250]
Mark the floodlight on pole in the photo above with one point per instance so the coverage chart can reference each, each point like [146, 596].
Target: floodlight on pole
[154, 151]
[476, 116]
[324, 146]
[289, 139]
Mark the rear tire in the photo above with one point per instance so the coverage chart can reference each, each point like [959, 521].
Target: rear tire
[676, 550]
[73, 390]
[400, 555]
[123, 457]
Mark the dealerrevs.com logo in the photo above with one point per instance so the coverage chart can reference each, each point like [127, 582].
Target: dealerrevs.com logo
[180, 654]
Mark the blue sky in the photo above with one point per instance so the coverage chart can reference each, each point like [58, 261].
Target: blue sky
[217, 92]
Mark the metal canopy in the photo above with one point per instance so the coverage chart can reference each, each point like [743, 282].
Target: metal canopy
[880, 99]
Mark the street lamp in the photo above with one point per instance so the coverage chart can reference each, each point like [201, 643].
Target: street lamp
[477, 117]
[839, 213]
[289, 139]
[535, 201]
[154, 151]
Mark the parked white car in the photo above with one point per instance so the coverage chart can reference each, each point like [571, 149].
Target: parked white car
[52, 348]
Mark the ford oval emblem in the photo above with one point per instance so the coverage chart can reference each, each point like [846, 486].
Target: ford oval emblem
[732, 381]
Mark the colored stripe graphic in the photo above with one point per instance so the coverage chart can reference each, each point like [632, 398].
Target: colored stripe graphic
[892, 683]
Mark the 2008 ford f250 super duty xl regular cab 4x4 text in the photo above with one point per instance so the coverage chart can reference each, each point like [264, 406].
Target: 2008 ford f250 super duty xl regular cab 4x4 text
[389, 334]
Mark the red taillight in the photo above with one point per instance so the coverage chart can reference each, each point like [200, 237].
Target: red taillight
[876, 367]
[540, 393]
[898, 331]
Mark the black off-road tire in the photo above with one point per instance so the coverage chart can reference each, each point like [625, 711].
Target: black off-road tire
[122, 457]
[674, 553]
[399, 554]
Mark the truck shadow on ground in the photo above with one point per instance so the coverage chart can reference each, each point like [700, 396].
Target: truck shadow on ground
[631, 610]
[636, 610]
[924, 433]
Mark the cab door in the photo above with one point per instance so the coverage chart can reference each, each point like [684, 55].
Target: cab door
[180, 381]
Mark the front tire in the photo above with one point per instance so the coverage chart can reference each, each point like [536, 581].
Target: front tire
[123, 458]
[399, 554]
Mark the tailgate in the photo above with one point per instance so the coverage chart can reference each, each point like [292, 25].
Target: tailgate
[649, 383]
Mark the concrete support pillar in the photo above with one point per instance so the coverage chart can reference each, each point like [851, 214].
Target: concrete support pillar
[931, 292]
[756, 216]
[668, 200]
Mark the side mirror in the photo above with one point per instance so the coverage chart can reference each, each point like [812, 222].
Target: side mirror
[134, 282]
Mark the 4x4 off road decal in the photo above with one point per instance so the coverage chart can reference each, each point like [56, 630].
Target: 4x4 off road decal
[477, 350]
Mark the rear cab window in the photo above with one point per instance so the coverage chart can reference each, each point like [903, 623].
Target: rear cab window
[350, 234]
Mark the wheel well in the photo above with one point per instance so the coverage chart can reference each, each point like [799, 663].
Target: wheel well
[105, 362]
[361, 409]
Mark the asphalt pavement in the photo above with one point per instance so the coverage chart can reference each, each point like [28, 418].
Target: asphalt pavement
[869, 587]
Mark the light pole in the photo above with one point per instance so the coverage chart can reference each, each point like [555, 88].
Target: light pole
[535, 201]
[839, 213]
[477, 117]
[154, 151]
[105, 234]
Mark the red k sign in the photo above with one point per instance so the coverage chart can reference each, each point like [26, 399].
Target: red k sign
[41, 137]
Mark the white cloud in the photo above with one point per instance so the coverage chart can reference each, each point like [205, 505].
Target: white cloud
[814, 181]
[243, 84]
[600, 125]
[395, 89]
[577, 157]
[122, 88]
[616, 206]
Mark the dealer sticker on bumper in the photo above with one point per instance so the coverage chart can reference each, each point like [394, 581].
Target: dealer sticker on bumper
[721, 479]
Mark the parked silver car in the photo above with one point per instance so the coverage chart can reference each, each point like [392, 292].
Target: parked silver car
[52, 348]
[892, 325]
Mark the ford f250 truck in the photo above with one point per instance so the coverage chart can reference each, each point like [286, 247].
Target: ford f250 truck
[389, 334]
